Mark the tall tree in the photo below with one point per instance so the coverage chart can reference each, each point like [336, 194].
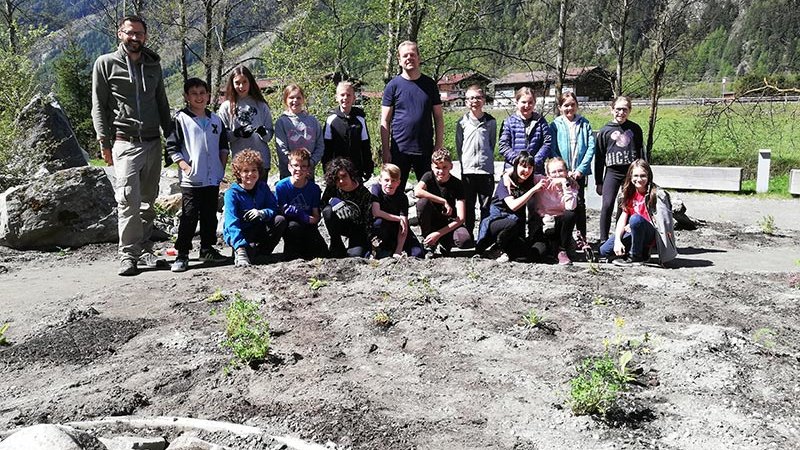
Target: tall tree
[667, 38]
[73, 88]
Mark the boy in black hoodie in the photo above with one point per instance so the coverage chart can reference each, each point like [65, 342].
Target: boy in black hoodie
[346, 133]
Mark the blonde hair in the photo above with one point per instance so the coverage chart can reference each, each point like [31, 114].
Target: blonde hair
[392, 170]
[524, 90]
[287, 91]
[408, 44]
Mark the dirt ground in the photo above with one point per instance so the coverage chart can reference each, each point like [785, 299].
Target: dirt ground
[456, 368]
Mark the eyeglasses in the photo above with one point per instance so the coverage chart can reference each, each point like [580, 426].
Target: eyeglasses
[475, 98]
[299, 166]
[138, 34]
[621, 109]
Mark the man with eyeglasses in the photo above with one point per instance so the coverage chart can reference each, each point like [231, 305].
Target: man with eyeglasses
[129, 105]
[476, 136]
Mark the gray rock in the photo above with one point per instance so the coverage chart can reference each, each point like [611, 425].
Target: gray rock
[48, 141]
[51, 437]
[135, 442]
[186, 442]
[69, 208]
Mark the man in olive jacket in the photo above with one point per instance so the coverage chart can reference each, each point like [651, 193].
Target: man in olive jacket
[129, 105]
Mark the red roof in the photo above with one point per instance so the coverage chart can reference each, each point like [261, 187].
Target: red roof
[454, 78]
[542, 75]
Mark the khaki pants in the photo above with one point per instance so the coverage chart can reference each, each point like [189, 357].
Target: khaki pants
[137, 171]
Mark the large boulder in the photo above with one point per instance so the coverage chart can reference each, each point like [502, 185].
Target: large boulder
[48, 143]
[51, 437]
[69, 208]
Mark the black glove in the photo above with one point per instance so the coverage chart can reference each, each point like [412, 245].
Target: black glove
[261, 131]
[244, 132]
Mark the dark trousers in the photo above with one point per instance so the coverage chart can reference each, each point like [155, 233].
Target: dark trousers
[302, 240]
[431, 218]
[480, 188]
[267, 234]
[580, 209]
[387, 231]
[197, 203]
[508, 232]
[561, 235]
[612, 181]
[420, 164]
[638, 242]
[356, 234]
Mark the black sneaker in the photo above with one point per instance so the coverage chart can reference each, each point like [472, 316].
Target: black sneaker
[212, 255]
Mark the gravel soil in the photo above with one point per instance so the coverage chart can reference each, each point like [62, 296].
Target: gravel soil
[455, 367]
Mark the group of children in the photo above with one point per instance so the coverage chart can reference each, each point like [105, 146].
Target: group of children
[530, 214]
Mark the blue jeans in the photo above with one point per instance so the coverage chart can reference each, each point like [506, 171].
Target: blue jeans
[637, 242]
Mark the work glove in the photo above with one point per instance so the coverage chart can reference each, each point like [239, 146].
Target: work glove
[293, 212]
[244, 131]
[343, 210]
[254, 214]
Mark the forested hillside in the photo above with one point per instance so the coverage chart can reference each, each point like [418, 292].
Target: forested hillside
[653, 48]
[705, 40]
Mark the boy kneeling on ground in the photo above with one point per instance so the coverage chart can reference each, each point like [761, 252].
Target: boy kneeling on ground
[251, 225]
[441, 209]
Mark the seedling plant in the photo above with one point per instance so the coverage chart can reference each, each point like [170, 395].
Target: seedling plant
[246, 331]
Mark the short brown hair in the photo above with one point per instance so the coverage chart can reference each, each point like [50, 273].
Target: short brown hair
[301, 154]
[441, 155]
[247, 157]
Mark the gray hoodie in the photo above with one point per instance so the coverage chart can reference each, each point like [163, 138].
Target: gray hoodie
[129, 97]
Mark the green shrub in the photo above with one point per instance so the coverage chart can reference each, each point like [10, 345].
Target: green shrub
[247, 331]
[596, 387]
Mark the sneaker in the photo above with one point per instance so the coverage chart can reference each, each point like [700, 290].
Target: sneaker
[503, 258]
[563, 259]
[627, 262]
[128, 267]
[211, 255]
[181, 264]
[149, 259]
[240, 258]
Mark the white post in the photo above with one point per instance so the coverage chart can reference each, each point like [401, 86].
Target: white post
[762, 176]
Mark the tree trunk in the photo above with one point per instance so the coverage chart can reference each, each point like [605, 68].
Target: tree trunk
[208, 40]
[562, 46]
[655, 94]
[182, 34]
[11, 24]
[392, 38]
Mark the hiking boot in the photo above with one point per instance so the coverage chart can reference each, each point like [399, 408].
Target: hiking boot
[563, 259]
[128, 267]
[149, 259]
[181, 264]
[240, 258]
[212, 255]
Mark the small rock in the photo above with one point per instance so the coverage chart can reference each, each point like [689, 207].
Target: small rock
[134, 442]
[51, 437]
